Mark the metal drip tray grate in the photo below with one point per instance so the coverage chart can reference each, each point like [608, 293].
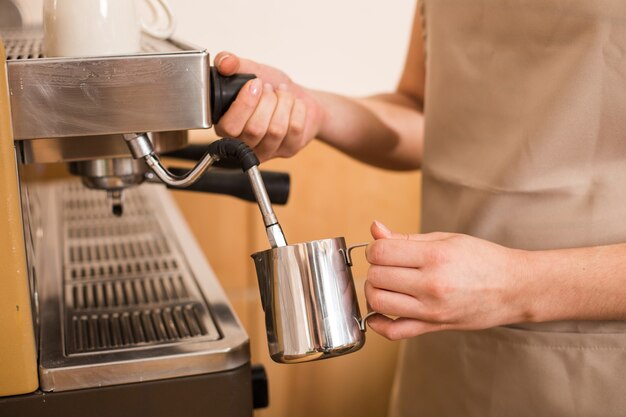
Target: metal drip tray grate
[128, 293]
[125, 285]
[137, 328]
[22, 45]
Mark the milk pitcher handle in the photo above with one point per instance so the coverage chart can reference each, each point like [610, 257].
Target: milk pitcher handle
[348, 258]
[363, 321]
[348, 252]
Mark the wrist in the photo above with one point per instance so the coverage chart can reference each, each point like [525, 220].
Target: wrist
[549, 285]
[320, 104]
[527, 293]
[319, 116]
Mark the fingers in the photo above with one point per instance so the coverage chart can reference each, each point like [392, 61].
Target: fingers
[403, 253]
[380, 231]
[235, 119]
[278, 127]
[257, 125]
[412, 251]
[402, 328]
[392, 303]
[403, 280]
[271, 121]
[296, 138]
[227, 63]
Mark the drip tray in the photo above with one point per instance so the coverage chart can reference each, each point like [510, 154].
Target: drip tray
[124, 299]
[125, 285]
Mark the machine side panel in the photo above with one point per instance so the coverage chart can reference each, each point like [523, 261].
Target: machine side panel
[18, 357]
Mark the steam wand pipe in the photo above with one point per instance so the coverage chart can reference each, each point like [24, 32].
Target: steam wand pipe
[274, 232]
[226, 148]
[141, 147]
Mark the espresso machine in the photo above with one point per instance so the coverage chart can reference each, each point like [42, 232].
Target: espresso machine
[107, 304]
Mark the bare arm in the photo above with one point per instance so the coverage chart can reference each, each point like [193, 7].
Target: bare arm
[278, 117]
[384, 130]
[576, 284]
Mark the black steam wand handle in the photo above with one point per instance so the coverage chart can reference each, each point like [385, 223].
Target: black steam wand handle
[224, 90]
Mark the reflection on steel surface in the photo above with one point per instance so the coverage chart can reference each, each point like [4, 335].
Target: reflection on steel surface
[164, 88]
[309, 300]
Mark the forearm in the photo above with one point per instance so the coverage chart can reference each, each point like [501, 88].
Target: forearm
[574, 284]
[385, 131]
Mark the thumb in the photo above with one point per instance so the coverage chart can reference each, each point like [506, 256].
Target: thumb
[227, 63]
[380, 231]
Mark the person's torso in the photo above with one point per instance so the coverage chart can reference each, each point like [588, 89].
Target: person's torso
[525, 145]
[525, 134]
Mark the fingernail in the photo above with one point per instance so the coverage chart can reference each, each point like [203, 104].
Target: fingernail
[221, 59]
[382, 227]
[283, 87]
[255, 87]
[267, 87]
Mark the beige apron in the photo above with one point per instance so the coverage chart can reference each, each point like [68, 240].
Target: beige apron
[525, 146]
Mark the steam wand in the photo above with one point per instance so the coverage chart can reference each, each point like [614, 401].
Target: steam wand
[234, 149]
[272, 227]
[226, 148]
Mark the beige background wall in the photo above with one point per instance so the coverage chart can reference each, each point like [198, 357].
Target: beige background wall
[347, 46]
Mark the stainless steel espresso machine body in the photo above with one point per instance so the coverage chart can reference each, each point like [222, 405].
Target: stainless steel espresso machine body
[99, 311]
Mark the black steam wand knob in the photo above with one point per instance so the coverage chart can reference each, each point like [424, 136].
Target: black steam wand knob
[224, 90]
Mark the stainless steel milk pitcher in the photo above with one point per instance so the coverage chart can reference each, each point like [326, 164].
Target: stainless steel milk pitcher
[310, 304]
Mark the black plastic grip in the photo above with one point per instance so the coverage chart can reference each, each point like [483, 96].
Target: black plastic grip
[234, 149]
[236, 183]
[224, 90]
